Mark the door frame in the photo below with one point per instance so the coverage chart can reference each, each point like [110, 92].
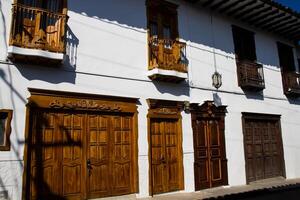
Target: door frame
[266, 117]
[69, 101]
[164, 109]
[208, 110]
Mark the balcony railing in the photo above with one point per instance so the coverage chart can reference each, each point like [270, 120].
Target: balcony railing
[291, 83]
[166, 54]
[36, 28]
[250, 75]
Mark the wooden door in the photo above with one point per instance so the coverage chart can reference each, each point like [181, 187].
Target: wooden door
[75, 155]
[209, 150]
[263, 149]
[166, 168]
[109, 160]
[57, 159]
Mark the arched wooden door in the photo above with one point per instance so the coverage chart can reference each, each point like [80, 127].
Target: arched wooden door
[210, 166]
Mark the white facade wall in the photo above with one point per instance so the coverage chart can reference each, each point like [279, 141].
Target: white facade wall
[108, 56]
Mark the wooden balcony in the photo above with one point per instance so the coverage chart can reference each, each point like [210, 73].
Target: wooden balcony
[250, 75]
[36, 32]
[291, 83]
[167, 60]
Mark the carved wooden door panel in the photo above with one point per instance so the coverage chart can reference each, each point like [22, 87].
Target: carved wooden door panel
[57, 161]
[98, 156]
[78, 155]
[109, 155]
[44, 173]
[72, 152]
[210, 159]
[263, 149]
[121, 159]
[165, 157]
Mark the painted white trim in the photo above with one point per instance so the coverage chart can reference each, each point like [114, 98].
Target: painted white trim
[34, 52]
[167, 73]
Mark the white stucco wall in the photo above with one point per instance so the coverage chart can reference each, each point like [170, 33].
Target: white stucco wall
[108, 56]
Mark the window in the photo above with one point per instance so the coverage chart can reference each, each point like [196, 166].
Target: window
[5, 129]
[250, 73]
[290, 76]
[166, 52]
[244, 44]
[286, 57]
[162, 19]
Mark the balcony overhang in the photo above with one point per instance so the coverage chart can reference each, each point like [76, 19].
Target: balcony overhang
[166, 75]
[264, 14]
[20, 52]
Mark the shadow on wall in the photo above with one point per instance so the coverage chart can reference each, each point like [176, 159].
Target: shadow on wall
[126, 14]
[172, 88]
[4, 26]
[70, 59]
[15, 147]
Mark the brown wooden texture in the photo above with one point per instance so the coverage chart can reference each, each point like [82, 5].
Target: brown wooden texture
[263, 147]
[165, 146]
[80, 153]
[290, 76]
[250, 75]
[210, 165]
[5, 126]
[39, 25]
[165, 51]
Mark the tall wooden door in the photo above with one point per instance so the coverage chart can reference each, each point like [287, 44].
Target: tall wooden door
[166, 155]
[109, 155]
[79, 155]
[210, 163]
[209, 151]
[263, 147]
[57, 158]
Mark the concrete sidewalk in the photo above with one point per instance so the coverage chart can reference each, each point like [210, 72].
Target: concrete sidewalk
[215, 192]
[226, 190]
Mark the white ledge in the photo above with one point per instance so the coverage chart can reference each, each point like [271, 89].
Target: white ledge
[34, 52]
[164, 72]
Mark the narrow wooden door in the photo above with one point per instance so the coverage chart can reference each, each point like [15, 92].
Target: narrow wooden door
[209, 150]
[263, 149]
[166, 168]
[57, 159]
[109, 157]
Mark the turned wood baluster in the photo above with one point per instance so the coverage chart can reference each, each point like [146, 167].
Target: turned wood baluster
[160, 51]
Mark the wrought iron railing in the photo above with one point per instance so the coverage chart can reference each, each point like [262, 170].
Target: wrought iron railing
[250, 74]
[167, 54]
[36, 28]
[291, 82]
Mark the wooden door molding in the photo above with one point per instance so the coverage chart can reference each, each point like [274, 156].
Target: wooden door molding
[208, 109]
[79, 101]
[264, 118]
[166, 112]
[67, 102]
[209, 145]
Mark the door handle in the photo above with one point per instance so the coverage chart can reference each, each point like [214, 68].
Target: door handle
[163, 160]
[89, 166]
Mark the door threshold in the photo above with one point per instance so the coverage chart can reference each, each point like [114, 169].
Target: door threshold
[122, 197]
